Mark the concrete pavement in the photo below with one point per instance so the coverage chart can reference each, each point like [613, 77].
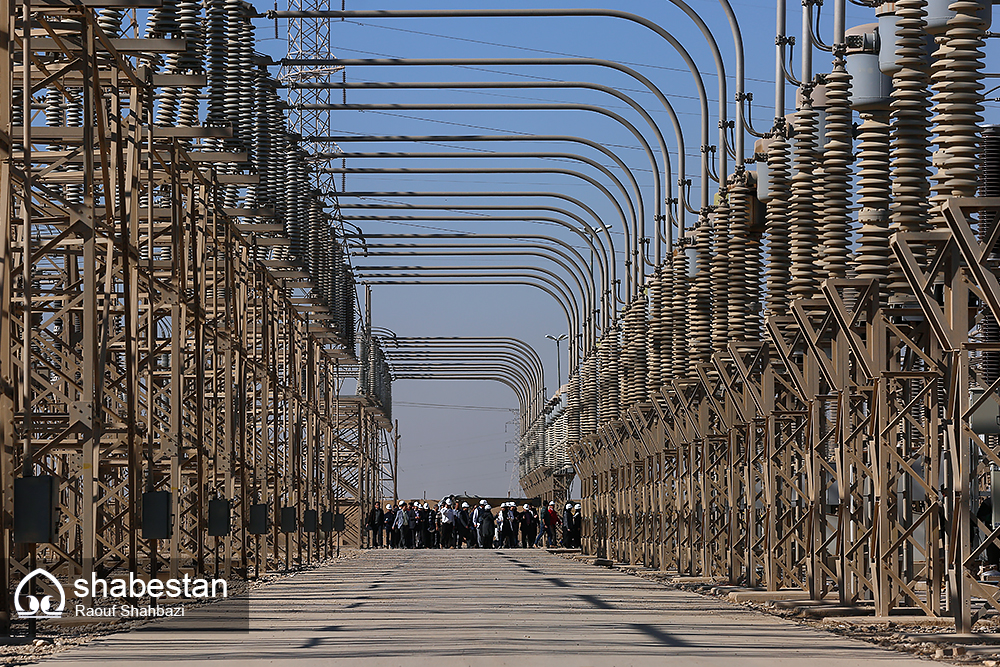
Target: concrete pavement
[510, 607]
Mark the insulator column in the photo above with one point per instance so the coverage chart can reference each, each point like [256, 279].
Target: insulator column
[654, 339]
[720, 275]
[837, 157]
[874, 260]
[700, 294]
[739, 297]
[910, 152]
[679, 293]
[588, 395]
[959, 101]
[776, 226]
[804, 236]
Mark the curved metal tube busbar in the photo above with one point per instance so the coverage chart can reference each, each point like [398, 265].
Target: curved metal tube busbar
[474, 279]
[488, 138]
[492, 170]
[637, 270]
[488, 194]
[587, 294]
[550, 277]
[526, 351]
[576, 265]
[675, 121]
[639, 206]
[606, 311]
[479, 355]
[611, 13]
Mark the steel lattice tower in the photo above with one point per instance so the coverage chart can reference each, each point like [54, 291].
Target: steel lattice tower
[311, 38]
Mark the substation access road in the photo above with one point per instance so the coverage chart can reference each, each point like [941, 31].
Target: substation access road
[459, 607]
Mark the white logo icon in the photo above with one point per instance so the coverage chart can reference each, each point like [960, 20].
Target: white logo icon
[39, 606]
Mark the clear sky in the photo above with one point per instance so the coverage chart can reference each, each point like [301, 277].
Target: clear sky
[471, 446]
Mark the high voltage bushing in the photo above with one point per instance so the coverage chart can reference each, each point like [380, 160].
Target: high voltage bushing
[678, 335]
[573, 408]
[666, 335]
[700, 295]
[634, 352]
[778, 273]
[588, 397]
[215, 42]
[720, 273]
[657, 315]
[837, 156]
[910, 136]
[607, 377]
[739, 279]
[873, 259]
[803, 231]
[958, 98]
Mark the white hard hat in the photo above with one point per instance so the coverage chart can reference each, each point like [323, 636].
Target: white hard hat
[552, 503]
[526, 506]
[488, 506]
[427, 506]
[482, 502]
[569, 506]
[465, 504]
[577, 506]
[388, 506]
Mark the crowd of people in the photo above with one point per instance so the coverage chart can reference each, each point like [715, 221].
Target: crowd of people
[453, 525]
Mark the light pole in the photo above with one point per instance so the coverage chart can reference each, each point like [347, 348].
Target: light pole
[558, 339]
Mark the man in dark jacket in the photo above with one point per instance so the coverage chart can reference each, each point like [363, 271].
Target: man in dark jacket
[552, 522]
[567, 520]
[577, 526]
[391, 536]
[508, 526]
[487, 524]
[528, 523]
[463, 527]
[376, 519]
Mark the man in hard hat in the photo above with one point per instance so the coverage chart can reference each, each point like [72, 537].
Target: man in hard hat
[447, 519]
[391, 536]
[577, 526]
[477, 522]
[487, 527]
[463, 527]
[567, 519]
[376, 518]
[528, 523]
[551, 522]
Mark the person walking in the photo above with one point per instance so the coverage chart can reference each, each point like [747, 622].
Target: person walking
[577, 526]
[567, 521]
[391, 535]
[376, 519]
[552, 522]
[528, 524]
[487, 526]
[510, 523]
[432, 525]
[477, 522]
[404, 524]
[463, 527]
[446, 517]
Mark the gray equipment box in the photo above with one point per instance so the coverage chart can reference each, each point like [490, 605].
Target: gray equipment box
[157, 515]
[36, 509]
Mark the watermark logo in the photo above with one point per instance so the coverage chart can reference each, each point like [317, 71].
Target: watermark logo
[39, 606]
